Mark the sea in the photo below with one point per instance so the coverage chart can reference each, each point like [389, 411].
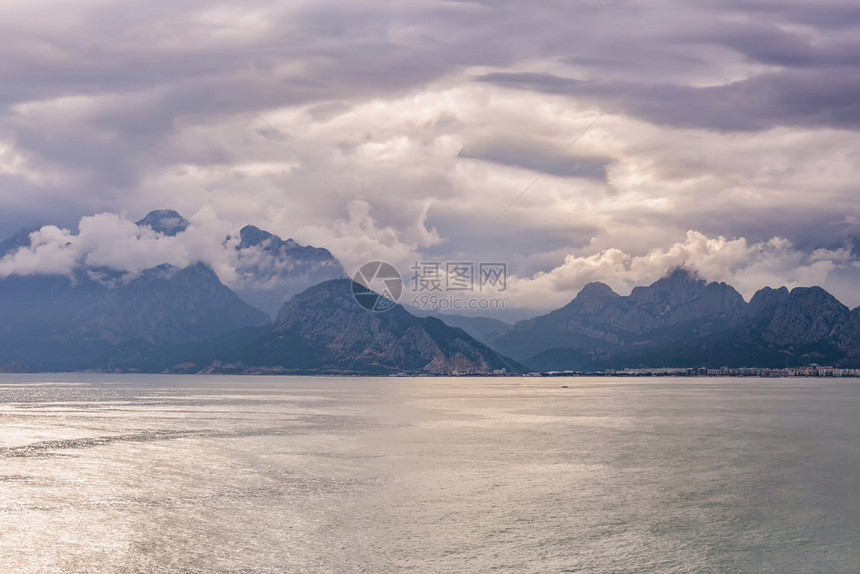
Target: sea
[233, 474]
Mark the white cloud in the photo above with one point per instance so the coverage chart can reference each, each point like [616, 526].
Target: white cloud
[51, 250]
[114, 241]
[746, 266]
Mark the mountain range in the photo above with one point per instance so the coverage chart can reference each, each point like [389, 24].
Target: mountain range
[289, 310]
[323, 330]
[682, 320]
[186, 320]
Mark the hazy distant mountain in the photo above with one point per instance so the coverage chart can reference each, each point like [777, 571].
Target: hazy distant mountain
[271, 270]
[55, 322]
[484, 329]
[681, 320]
[324, 330]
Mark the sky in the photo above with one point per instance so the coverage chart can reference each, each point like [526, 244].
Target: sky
[574, 141]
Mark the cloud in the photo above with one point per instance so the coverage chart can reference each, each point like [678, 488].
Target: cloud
[113, 241]
[51, 251]
[815, 98]
[429, 119]
[109, 240]
[746, 266]
[832, 16]
[536, 156]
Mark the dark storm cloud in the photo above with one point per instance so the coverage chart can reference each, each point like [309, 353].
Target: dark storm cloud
[812, 98]
[538, 157]
[356, 51]
[770, 44]
[825, 15]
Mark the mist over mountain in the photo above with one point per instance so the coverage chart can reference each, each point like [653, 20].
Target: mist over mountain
[131, 295]
[67, 298]
[261, 267]
[271, 270]
[267, 270]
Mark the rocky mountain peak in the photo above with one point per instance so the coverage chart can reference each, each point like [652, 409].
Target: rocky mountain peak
[766, 299]
[251, 235]
[804, 315]
[165, 221]
[598, 318]
[596, 291]
[679, 286]
[593, 298]
[324, 300]
[349, 337]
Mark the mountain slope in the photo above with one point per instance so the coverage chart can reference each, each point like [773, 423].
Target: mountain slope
[53, 321]
[682, 321]
[598, 320]
[166, 304]
[56, 322]
[323, 330]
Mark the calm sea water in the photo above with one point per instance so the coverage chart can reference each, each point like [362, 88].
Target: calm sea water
[116, 474]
